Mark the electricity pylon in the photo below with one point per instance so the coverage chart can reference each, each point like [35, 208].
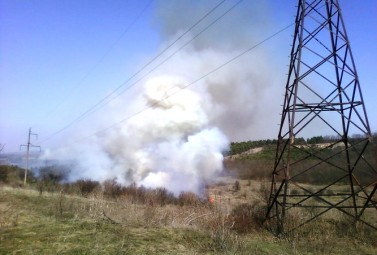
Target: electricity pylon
[28, 146]
[322, 98]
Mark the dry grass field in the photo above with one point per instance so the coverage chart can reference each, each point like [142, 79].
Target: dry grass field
[153, 222]
[88, 217]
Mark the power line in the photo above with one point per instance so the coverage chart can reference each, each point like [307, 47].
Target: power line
[103, 101]
[100, 60]
[188, 85]
[165, 60]
[180, 48]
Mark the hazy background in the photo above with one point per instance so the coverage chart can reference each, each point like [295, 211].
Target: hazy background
[143, 92]
[58, 59]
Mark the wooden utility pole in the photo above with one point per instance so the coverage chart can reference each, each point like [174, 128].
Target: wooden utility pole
[28, 145]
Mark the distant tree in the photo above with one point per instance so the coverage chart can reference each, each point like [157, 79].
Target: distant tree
[239, 147]
[331, 138]
[315, 140]
[357, 137]
[53, 174]
[300, 140]
[14, 175]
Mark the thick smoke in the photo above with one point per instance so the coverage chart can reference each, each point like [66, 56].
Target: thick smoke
[241, 92]
[172, 144]
[178, 141]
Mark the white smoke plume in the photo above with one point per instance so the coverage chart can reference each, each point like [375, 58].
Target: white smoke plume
[241, 92]
[178, 142]
[172, 144]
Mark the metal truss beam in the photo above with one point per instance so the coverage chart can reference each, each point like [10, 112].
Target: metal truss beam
[322, 97]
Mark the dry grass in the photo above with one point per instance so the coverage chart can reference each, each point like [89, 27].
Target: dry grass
[96, 223]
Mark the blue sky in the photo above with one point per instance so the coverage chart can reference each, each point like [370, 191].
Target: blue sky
[59, 58]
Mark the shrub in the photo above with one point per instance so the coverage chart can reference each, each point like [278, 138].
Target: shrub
[188, 199]
[86, 186]
[51, 177]
[14, 175]
[264, 191]
[162, 196]
[247, 217]
[112, 189]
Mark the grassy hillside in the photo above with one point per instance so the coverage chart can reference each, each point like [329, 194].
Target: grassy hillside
[258, 162]
[88, 217]
[58, 223]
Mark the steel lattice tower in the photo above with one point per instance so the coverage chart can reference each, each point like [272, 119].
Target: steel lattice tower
[322, 98]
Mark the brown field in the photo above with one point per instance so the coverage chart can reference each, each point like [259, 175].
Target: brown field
[140, 221]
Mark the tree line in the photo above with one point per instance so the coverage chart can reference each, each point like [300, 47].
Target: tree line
[239, 147]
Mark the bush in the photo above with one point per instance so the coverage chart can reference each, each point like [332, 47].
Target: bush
[247, 217]
[86, 186]
[188, 199]
[14, 175]
[53, 174]
[162, 196]
[112, 189]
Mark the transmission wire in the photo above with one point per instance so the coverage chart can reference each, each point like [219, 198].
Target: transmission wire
[95, 66]
[187, 85]
[166, 59]
[101, 102]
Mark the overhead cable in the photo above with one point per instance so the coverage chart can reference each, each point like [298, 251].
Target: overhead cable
[108, 98]
[119, 123]
[100, 60]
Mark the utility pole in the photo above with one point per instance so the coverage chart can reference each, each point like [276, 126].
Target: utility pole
[28, 146]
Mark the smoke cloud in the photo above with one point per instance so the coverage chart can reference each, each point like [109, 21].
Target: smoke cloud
[172, 144]
[178, 142]
[241, 92]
